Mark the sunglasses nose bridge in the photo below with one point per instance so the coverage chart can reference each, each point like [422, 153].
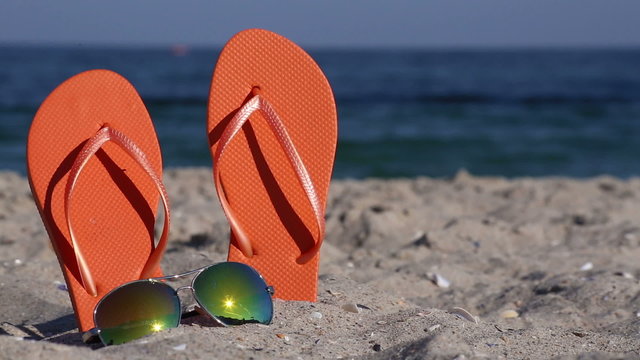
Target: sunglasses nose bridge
[187, 287]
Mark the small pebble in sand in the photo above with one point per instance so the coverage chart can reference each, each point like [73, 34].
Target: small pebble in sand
[180, 347]
[316, 315]
[382, 322]
[586, 267]
[351, 307]
[283, 337]
[17, 262]
[377, 347]
[60, 285]
[460, 312]
[434, 327]
[420, 239]
[509, 314]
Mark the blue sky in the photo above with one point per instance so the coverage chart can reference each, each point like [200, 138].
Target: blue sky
[326, 23]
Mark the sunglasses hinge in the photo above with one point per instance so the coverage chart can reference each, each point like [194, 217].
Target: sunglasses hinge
[271, 290]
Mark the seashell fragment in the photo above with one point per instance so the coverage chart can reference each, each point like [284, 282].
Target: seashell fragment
[351, 307]
[509, 314]
[624, 274]
[434, 327]
[439, 280]
[460, 312]
[587, 266]
[180, 347]
[316, 315]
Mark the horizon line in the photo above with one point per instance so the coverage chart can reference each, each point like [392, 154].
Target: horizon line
[342, 47]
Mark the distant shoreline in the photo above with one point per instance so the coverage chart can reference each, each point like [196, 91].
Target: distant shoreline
[341, 48]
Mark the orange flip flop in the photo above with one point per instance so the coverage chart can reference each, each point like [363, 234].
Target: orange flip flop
[272, 128]
[94, 166]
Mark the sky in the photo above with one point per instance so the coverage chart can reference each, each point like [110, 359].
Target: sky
[326, 23]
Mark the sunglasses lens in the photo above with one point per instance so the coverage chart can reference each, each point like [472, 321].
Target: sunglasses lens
[135, 310]
[234, 293]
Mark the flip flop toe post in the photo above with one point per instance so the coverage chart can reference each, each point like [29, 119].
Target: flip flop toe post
[94, 167]
[272, 132]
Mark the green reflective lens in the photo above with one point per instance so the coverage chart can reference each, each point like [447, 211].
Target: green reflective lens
[135, 310]
[234, 293]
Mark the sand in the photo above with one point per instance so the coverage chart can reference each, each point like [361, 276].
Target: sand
[545, 268]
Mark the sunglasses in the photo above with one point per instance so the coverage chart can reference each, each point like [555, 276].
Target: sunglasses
[231, 293]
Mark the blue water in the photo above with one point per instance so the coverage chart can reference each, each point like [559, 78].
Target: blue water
[401, 113]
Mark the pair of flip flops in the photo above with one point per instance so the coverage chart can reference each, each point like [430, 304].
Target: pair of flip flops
[95, 167]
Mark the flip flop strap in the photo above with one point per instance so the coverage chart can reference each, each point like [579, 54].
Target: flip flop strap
[92, 145]
[257, 102]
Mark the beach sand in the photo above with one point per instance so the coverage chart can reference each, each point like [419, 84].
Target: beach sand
[546, 268]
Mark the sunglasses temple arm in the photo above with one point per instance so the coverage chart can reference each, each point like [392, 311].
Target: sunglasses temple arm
[197, 310]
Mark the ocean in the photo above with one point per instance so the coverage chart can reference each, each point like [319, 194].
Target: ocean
[402, 113]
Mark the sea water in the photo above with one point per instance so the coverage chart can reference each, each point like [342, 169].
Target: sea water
[401, 112]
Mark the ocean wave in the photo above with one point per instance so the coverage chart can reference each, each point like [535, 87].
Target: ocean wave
[462, 99]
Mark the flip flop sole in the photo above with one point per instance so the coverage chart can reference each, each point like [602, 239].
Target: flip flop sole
[260, 184]
[115, 202]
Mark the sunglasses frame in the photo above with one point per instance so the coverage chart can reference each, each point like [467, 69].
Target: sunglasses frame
[93, 335]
